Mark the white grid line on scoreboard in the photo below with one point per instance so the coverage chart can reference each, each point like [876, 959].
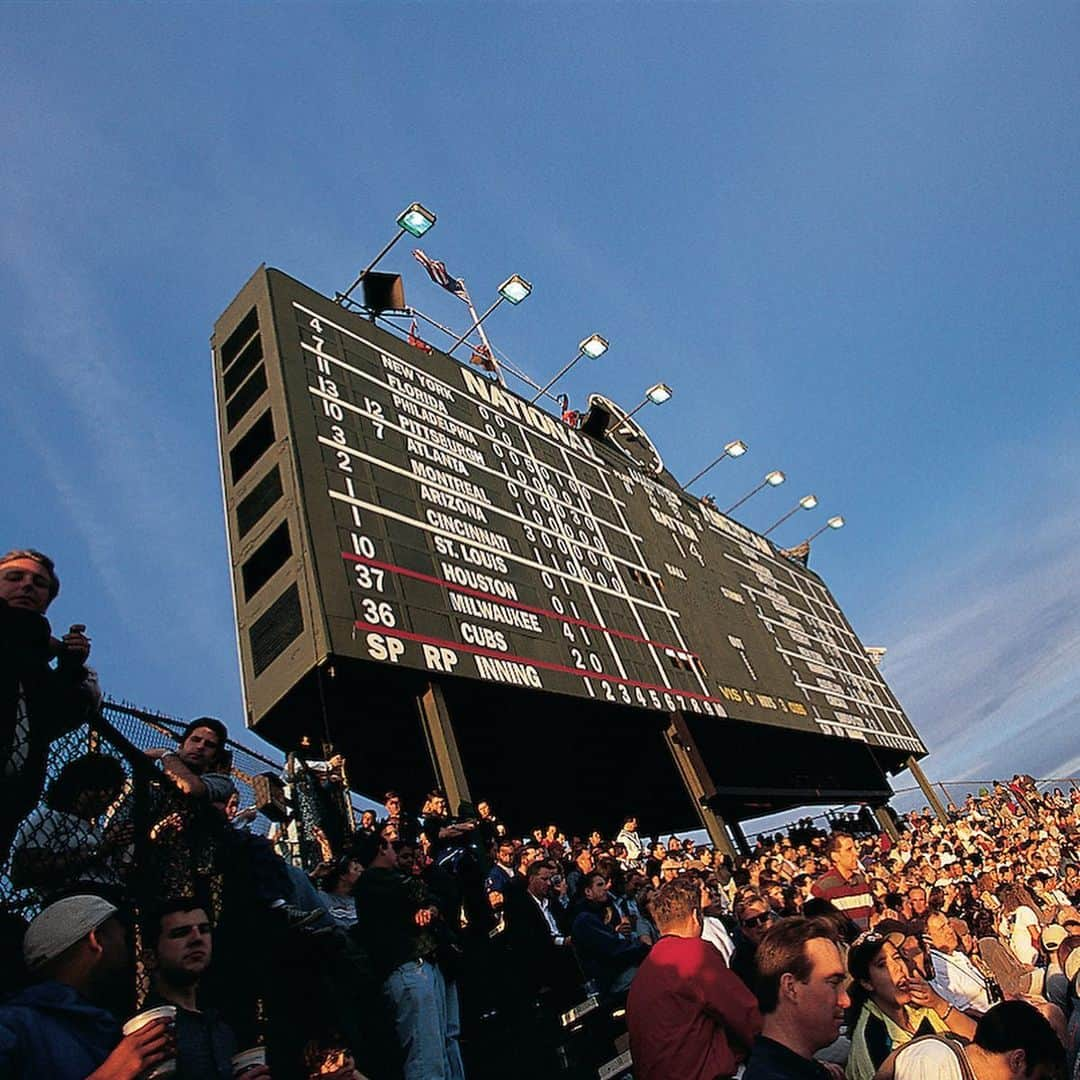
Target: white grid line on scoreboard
[382, 511]
[827, 603]
[906, 742]
[434, 378]
[488, 506]
[841, 674]
[894, 713]
[872, 678]
[653, 577]
[833, 693]
[457, 423]
[814, 619]
[383, 421]
[592, 599]
[633, 610]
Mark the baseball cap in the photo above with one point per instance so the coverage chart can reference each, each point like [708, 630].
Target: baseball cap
[1053, 936]
[62, 924]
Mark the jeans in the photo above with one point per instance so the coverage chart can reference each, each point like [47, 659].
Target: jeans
[427, 1021]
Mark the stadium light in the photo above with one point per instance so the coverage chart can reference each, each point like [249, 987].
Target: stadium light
[594, 346]
[414, 220]
[515, 289]
[657, 395]
[835, 522]
[772, 479]
[807, 502]
[735, 448]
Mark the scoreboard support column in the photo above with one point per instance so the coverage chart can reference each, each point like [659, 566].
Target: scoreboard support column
[886, 822]
[915, 769]
[443, 747]
[698, 782]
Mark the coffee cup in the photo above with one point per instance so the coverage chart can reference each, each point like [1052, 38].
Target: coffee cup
[148, 1016]
[248, 1059]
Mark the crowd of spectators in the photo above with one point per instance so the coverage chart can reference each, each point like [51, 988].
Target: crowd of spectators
[427, 942]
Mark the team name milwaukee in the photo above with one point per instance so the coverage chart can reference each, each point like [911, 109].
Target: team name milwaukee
[485, 609]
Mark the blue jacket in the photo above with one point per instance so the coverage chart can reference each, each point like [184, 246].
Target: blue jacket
[603, 954]
[50, 1030]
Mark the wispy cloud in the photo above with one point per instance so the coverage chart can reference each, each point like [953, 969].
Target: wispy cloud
[988, 662]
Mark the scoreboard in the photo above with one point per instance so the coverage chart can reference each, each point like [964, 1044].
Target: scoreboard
[437, 521]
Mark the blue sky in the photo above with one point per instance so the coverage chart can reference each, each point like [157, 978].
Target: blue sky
[846, 233]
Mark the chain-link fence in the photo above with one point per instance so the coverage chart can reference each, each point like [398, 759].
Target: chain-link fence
[110, 823]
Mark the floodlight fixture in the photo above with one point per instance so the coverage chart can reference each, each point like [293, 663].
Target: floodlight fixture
[807, 502]
[656, 395]
[415, 220]
[515, 289]
[593, 346]
[735, 448]
[835, 522]
[772, 479]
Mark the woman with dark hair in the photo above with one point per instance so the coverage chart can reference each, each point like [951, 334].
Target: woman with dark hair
[61, 843]
[890, 1006]
[336, 893]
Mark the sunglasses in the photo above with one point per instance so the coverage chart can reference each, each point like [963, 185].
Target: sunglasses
[758, 920]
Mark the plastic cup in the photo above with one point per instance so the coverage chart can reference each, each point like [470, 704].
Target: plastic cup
[248, 1059]
[147, 1016]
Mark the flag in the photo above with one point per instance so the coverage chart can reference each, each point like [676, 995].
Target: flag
[799, 553]
[437, 272]
[481, 357]
[415, 340]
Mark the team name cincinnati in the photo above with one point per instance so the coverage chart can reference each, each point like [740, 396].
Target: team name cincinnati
[519, 410]
[467, 531]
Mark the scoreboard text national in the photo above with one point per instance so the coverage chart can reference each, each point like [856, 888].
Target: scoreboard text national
[437, 521]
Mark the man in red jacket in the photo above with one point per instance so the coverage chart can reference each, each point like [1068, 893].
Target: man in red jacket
[688, 1015]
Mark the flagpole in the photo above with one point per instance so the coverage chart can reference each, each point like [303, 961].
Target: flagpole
[477, 320]
[478, 325]
[505, 364]
[487, 345]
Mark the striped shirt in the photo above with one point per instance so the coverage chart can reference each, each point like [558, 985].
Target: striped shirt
[849, 895]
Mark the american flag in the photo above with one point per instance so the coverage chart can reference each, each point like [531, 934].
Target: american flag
[437, 272]
[799, 553]
[416, 340]
[481, 357]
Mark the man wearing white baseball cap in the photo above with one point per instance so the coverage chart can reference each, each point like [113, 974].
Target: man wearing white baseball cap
[74, 951]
